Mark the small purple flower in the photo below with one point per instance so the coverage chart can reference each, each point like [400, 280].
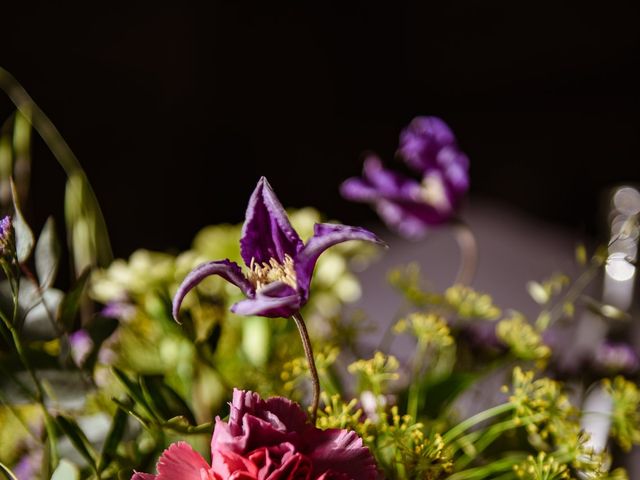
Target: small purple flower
[616, 357]
[280, 264]
[409, 206]
[7, 237]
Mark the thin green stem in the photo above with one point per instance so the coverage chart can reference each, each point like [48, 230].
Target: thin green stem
[474, 420]
[308, 351]
[414, 388]
[39, 395]
[478, 473]
[481, 440]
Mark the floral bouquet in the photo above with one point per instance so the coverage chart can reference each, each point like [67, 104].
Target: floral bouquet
[191, 366]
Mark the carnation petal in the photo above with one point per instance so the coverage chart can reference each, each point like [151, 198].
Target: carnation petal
[181, 461]
[341, 452]
[225, 464]
[143, 476]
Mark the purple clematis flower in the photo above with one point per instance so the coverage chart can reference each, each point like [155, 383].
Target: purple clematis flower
[409, 206]
[427, 144]
[279, 264]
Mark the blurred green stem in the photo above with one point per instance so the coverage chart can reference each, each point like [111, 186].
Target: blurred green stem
[415, 387]
[39, 394]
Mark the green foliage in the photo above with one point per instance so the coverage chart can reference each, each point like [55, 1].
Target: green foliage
[148, 381]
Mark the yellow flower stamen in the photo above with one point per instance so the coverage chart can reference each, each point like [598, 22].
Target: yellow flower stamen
[261, 275]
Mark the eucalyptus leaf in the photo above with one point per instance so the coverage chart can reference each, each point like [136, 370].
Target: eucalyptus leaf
[66, 471]
[77, 438]
[70, 304]
[24, 236]
[47, 254]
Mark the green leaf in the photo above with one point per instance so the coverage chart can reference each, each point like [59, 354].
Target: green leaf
[439, 393]
[7, 472]
[114, 437]
[165, 401]
[24, 236]
[71, 302]
[47, 255]
[66, 471]
[78, 439]
[133, 389]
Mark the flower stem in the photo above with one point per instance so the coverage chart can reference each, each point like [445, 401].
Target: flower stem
[306, 344]
[478, 418]
[468, 252]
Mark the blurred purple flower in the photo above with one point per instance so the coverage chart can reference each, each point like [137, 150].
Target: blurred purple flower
[280, 264]
[119, 309]
[409, 206]
[616, 357]
[269, 440]
[427, 144]
[81, 346]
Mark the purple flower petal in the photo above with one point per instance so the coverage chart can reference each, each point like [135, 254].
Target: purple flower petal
[81, 346]
[421, 141]
[325, 235]
[266, 232]
[391, 184]
[275, 300]
[227, 269]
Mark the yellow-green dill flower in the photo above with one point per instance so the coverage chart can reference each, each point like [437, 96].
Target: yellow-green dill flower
[429, 329]
[541, 405]
[625, 417]
[376, 372]
[522, 339]
[542, 467]
[471, 304]
[296, 371]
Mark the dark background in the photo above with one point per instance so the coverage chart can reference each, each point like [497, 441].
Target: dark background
[176, 111]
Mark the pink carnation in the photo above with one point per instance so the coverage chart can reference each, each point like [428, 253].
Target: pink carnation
[268, 440]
